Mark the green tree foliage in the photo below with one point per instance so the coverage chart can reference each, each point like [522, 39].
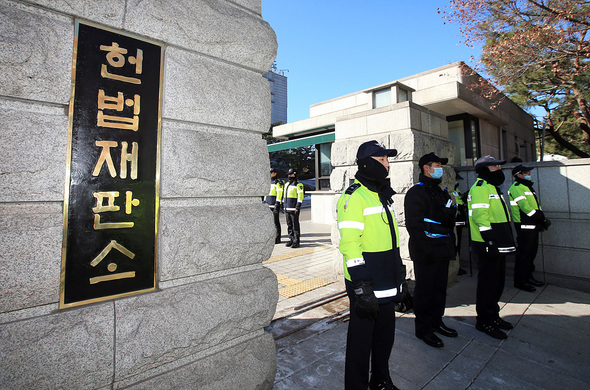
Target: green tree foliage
[538, 51]
[301, 159]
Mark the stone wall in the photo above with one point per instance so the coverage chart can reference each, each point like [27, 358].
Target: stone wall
[563, 188]
[203, 328]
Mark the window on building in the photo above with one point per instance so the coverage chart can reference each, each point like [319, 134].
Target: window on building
[464, 133]
[323, 166]
[382, 98]
[402, 95]
[325, 159]
[456, 136]
[504, 141]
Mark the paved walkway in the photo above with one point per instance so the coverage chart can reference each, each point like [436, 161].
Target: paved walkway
[549, 348]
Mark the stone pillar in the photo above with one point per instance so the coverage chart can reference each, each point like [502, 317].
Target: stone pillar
[419, 132]
[203, 328]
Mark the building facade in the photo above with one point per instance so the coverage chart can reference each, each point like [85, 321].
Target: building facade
[278, 95]
[442, 102]
[441, 111]
[435, 111]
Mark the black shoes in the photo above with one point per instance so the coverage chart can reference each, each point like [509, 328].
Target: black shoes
[278, 240]
[446, 331]
[432, 340]
[535, 282]
[385, 384]
[525, 287]
[491, 330]
[293, 244]
[500, 323]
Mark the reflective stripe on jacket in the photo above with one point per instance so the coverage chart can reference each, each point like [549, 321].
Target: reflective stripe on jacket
[366, 243]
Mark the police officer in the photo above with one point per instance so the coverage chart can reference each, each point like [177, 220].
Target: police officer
[430, 220]
[491, 237]
[273, 199]
[372, 269]
[461, 219]
[293, 197]
[528, 220]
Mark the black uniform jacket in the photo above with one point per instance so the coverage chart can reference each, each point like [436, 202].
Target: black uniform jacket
[430, 219]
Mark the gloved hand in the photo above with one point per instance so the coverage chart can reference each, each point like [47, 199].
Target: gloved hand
[544, 225]
[298, 207]
[491, 246]
[277, 208]
[366, 303]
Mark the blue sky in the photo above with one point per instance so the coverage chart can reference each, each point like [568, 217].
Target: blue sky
[335, 47]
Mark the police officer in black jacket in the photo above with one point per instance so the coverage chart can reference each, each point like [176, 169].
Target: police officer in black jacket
[430, 219]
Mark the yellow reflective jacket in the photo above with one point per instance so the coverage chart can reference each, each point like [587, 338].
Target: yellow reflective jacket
[488, 213]
[524, 206]
[293, 195]
[367, 242]
[275, 194]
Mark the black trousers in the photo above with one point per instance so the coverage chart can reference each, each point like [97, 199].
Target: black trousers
[528, 243]
[459, 230]
[490, 283]
[368, 342]
[430, 295]
[293, 225]
[277, 224]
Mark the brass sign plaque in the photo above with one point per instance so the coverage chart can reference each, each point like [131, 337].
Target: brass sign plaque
[112, 185]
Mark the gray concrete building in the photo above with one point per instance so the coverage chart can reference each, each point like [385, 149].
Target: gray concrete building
[278, 94]
[201, 326]
[440, 111]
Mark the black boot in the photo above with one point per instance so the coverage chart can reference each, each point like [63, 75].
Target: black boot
[289, 243]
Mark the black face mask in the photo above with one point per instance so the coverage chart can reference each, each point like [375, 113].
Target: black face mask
[495, 178]
[291, 179]
[372, 169]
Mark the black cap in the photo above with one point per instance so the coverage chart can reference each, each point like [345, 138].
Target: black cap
[273, 170]
[373, 148]
[486, 161]
[520, 168]
[457, 175]
[291, 172]
[431, 157]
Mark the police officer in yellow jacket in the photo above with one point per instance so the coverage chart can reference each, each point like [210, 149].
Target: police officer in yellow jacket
[273, 199]
[528, 220]
[491, 236]
[369, 243]
[293, 198]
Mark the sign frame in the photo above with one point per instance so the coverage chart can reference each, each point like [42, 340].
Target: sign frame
[129, 121]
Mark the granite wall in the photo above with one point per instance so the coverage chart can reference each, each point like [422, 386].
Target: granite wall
[203, 328]
[563, 188]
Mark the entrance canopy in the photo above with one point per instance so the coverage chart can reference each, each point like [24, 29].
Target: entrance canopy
[306, 141]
